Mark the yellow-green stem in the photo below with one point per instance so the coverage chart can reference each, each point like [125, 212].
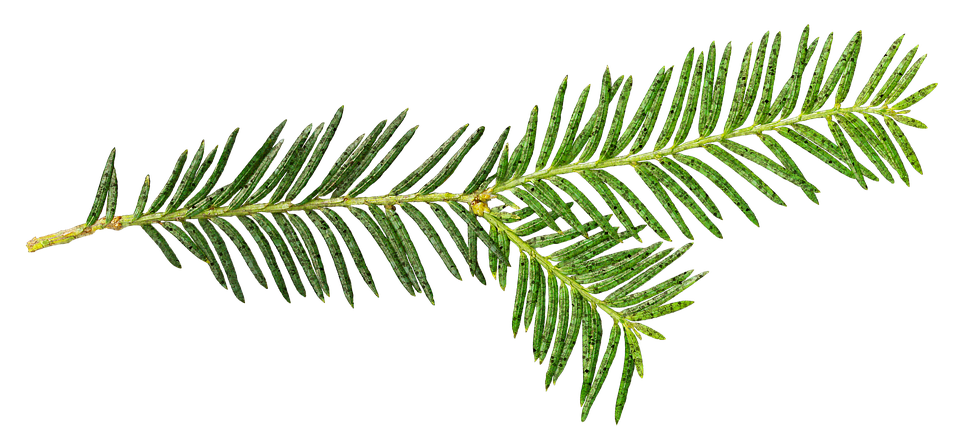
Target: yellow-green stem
[68, 235]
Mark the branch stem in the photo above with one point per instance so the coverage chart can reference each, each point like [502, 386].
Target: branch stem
[118, 223]
[677, 148]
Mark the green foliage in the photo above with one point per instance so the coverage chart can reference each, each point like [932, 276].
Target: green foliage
[559, 293]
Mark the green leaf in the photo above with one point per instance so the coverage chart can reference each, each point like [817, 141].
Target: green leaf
[602, 371]
[220, 247]
[503, 166]
[625, 377]
[168, 186]
[162, 244]
[720, 182]
[566, 145]
[521, 296]
[813, 90]
[849, 52]
[190, 238]
[111, 203]
[471, 221]
[268, 256]
[903, 119]
[301, 254]
[142, 199]
[452, 164]
[740, 92]
[859, 170]
[706, 97]
[812, 141]
[691, 108]
[500, 270]
[787, 98]
[905, 80]
[663, 310]
[342, 274]
[692, 184]
[433, 237]
[652, 295]
[622, 275]
[649, 332]
[311, 167]
[592, 337]
[761, 160]
[596, 247]
[674, 115]
[243, 195]
[243, 179]
[242, 246]
[477, 182]
[351, 242]
[884, 139]
[634, 202]
[894, 78]
[201, 179]
[611, 265]
[586, 135]
[584, 202]
[106, 176]
[552, 128]
[640, 127]
[611, 190]
[200, 242]
[846, 79]
[217, 171]
[556, 324]
[751, 94]
[344, 173]
[904, 144]
[282, 249]
[362, 165]
[424, 168]
[719, 87]
[650, 298]
[537, 207]
[684, 198]
[599, 117]
[648, 274]
[388, 251]
[300, 151]
[452, 230]
[185, 182]
[473, 256]
[763, 108]
[613, 136]
[874, 79]
[580, 309]
[913, 99]
[184, 240]
[795, 176]
[633, 346]
[406, 244]
[540, 320]
[744, 172]
[865, 146]
[565, 310]
[384, 164]
[269, 176]
[313, 252]
[664, 200]
[524, 153]
[534, 292]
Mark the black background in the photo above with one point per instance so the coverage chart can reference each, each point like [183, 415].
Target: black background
[813, 317]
